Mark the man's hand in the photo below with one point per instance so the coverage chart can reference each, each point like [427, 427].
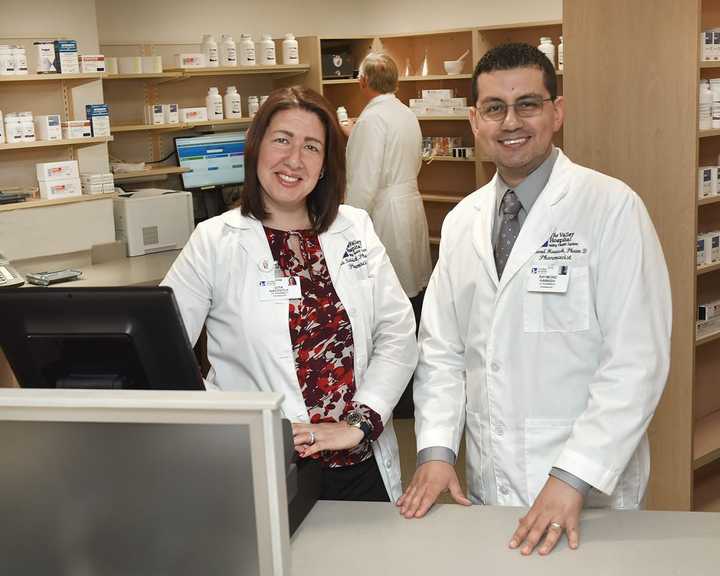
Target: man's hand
[430, 480]
[556, 510]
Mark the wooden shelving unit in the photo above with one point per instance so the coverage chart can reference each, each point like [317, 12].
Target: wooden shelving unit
[162, 171]
[36, 203]
[53, 143]
[145, 76]
[448, 159]
[441, 198]
[662, 167]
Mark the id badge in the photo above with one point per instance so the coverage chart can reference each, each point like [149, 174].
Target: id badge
[279, 289]
[553, 278]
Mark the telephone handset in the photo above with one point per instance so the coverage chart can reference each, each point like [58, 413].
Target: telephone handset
[9, 277]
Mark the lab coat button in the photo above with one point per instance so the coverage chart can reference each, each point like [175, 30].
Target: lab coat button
[264, 265]
[495, 367]
[388, 464]
[504, 490]
[499, 429]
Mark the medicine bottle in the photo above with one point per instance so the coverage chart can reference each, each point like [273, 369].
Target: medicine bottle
[547, 48]
[231, 103]
[291, 54]
[253, 105]
[20, 57]
[265, 50]
[247, 50]
[214, 104]
[228, 51]
[210, 49]
[7, 61]
[342, 115]
[561, 54]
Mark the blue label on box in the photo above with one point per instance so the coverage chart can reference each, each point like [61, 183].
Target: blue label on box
[96, 110]
[65, 46]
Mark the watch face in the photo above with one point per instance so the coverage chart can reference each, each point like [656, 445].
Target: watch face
[354, 418]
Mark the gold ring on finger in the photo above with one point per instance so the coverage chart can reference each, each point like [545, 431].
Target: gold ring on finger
[556, 526]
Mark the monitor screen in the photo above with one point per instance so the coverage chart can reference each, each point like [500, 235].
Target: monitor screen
[215, 159]
[126, 338]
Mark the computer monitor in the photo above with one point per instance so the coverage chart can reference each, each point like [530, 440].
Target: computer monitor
[138, 482]
[126, 338]
[215, 159]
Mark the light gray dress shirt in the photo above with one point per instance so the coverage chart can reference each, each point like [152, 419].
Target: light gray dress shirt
[527, 192]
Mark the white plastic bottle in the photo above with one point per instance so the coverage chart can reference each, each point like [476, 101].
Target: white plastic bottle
[547, 48]
[342, 115]
[214, 104]
[7, 60]
[210, 49]
[265, 50]
[231, 103]
[228, 51]
[561, 54]
[20, 57]
[247, 50]
[253, 105]
[290, 50]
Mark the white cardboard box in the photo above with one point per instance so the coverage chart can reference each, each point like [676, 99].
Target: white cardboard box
[60, 188]
[153, 220]
[47, 171]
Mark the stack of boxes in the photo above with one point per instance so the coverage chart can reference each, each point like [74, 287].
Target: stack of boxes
[162, 114]
[97, 183]
[439, 103]
[708, 178]
[58, 179]
[708, 248]
[710, 44]
[19, 127]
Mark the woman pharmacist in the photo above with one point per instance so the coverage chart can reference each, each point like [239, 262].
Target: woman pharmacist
[299, 297]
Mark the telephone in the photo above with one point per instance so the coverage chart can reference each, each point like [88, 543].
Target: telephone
[9, 277]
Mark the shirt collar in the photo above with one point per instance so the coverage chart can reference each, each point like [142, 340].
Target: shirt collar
[381, 98]
[529, 189]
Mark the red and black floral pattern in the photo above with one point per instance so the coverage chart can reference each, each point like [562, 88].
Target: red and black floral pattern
[322, 339]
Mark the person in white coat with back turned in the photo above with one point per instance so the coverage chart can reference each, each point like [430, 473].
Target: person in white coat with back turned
[384, 155]
[298, 296]
[545, 333]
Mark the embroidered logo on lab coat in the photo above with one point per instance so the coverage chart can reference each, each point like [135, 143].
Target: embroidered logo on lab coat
[562, 246]
[355, 255]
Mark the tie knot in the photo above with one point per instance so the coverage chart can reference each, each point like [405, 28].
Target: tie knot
[510, 204]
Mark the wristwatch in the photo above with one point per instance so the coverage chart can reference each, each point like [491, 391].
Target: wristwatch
[355, 418]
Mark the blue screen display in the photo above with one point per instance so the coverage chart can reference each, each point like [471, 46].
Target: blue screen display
[215, 159]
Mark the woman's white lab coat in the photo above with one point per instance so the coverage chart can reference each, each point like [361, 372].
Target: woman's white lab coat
[548, 379]
[384, 155]
[216, 278]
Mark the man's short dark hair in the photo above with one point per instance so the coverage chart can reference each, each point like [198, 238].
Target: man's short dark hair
[511, 56]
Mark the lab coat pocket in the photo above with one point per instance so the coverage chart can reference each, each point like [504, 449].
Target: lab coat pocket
[544, 440]
[566, 312]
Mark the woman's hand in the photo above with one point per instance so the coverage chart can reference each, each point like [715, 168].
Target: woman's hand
[313, 438]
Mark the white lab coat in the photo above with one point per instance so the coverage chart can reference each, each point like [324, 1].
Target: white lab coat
[384, 155]
[215, 280]
[541, 380]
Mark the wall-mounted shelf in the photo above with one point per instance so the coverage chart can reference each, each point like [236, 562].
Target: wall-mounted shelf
[706, 448]
[52, 143]
[279, 69]
[447, 159]
[179, 126]
[147, 76]
[39, 203]
[707, 268]
[51, 77]
[163, 171]
[434, 241]
[707, 333]
[441, 198]
[708, 133]
[710, 64]
[709, 200]
[442, 118]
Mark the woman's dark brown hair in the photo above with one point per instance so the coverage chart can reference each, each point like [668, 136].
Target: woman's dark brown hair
[323, 202]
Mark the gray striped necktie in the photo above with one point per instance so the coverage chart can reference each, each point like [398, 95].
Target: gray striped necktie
[509, 230]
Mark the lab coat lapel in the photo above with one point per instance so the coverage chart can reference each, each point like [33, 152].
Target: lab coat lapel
[333, 243]
[482, 229]
[252, 239]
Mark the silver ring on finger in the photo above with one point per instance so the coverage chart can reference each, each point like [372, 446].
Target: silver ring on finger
[556, 526]
[312, 438]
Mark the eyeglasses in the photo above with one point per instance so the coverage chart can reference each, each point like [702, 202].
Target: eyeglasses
[527, 107]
